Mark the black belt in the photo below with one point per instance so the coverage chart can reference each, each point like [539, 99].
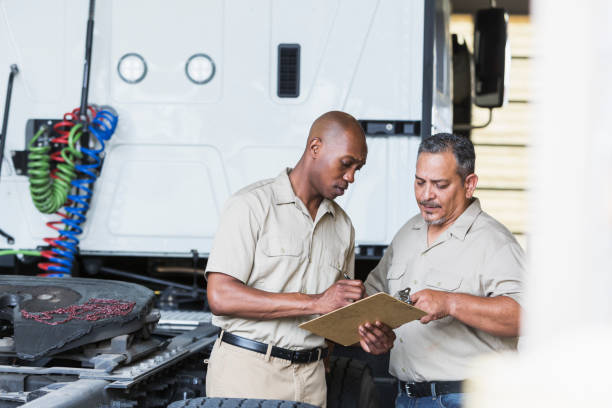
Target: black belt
[295, 356]
[423, 389]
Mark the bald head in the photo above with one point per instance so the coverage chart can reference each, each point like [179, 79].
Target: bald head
[334, 124]
[335, 150]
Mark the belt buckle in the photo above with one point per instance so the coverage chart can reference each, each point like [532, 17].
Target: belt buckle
[311, 355]
[408, 390]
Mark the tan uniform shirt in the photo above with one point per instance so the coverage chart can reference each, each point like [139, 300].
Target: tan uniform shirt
[476, 255]
[268, 240]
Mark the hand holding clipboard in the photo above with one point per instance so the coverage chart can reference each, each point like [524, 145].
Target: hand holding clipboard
[341, 325]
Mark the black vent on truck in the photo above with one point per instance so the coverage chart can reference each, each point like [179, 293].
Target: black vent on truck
[288, 71]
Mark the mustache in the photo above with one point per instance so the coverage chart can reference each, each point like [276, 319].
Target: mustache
[430, 204]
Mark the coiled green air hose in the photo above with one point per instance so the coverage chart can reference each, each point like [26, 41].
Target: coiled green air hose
[49, 193]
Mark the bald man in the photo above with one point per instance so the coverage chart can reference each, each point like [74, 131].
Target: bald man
[279, 257]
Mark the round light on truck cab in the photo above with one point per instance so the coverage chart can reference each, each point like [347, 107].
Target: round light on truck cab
[132, 68]
[200, 69]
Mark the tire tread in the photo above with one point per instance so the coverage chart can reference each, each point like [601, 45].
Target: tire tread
[205, 402]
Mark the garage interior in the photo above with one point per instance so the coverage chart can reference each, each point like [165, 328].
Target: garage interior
[190, 102]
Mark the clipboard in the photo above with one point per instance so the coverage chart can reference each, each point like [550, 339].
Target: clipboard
[341, 325]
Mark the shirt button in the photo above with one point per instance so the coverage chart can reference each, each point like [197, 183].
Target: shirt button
[415, 282]
[401, 340]
[403, 369]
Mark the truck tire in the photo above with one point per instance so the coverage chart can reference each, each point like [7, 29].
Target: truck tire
[350, 384]
[237, 403]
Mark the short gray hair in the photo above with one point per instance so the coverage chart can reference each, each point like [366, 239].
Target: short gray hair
[461, 147]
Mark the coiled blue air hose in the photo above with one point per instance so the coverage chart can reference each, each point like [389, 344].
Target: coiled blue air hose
[102, 128]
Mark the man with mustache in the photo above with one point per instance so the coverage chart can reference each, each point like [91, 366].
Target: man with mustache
[280, 253]
[464, 269]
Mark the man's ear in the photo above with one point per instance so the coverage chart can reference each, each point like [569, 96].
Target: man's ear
[470, 185]
[314, 147]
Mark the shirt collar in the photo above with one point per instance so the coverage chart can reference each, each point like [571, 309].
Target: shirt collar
[284, 194]
[462, 225]
[327, 206]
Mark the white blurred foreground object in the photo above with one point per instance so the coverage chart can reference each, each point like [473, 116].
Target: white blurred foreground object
[568, 312]
[572, 372]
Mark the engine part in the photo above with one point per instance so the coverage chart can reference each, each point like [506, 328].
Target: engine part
[175, 371]
[50, 316]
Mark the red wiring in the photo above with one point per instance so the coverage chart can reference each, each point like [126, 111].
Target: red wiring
[91, 112]
[92, 310]
[63, 129]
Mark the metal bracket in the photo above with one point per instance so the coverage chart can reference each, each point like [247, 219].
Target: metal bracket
[373, 252]
[391, 127]
[9, 238]
[20, 157]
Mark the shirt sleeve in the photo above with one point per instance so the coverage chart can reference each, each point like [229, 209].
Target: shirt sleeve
[234, 245]
[504, 271]
[377, 279]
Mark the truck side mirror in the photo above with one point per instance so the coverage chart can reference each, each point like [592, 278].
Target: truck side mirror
[491, 57]
[463, 94]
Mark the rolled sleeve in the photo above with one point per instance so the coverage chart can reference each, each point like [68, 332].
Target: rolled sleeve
[503, 273]
[234, 245]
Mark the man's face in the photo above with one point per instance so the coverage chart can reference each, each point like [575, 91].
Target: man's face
[340, 158]
[440, 193]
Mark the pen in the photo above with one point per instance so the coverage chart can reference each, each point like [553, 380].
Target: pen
[349, 278]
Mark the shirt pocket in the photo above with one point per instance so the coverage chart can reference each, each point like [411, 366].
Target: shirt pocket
[336, 269]
[277, 267]
[443, 281]
[276, 245]
[331, 269]
[396, 277]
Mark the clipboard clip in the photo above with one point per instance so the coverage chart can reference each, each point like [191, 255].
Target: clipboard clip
[404, 295]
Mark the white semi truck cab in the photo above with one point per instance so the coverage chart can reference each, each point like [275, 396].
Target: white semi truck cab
[211, 96]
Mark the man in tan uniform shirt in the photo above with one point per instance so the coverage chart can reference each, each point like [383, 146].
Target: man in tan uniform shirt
[463, 268]
[281, 251]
